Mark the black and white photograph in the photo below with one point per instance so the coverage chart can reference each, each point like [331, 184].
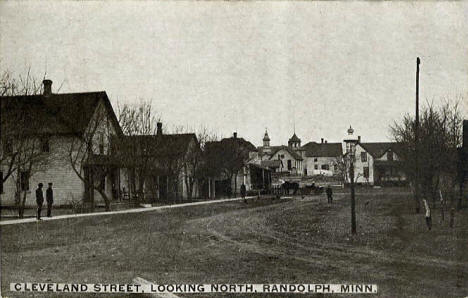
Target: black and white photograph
[233, 148]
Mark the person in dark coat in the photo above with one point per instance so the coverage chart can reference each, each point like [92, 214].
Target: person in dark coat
[329, 194]
[243, 192]
[39, 200]
[50, 199]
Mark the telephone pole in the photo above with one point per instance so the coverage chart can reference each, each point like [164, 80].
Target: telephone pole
[416, 139]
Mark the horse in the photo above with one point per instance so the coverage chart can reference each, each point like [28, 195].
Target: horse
[287, 186]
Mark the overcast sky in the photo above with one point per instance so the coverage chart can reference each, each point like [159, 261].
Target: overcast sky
[245, 66]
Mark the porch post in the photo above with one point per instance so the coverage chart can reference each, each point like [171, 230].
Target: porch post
[214, 189]
[209, 188]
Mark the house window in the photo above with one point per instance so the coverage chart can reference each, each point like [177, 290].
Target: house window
[316, 167]
[325, 167]
[390, 155]
[289, 164]
[363, 156]
[101, 143]
[315, 159]
[24, 180]
[366, 172]
[45, 144]
[335, 167]
[305, 172]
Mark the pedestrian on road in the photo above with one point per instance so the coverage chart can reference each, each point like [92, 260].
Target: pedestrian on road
[39, 200]
[329, 194]
[50, 199]
[243, 192]
[428, 215]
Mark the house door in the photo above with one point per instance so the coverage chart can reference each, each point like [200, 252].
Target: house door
[114, 181]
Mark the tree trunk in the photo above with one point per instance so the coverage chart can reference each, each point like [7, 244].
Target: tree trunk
[106, 200]
[235, 185]
[22, 205]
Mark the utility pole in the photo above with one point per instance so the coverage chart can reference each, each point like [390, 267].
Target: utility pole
[353, 199]
[416, 139]
[1, 150]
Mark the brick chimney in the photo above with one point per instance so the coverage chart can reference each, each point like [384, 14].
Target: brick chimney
[47, 90]
[159, 131]
[359, 139]
[322, 141]
[234, 135]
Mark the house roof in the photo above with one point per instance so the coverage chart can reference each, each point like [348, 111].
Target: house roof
[165, 145]
[294, 138]
[240, 141]
[272, 163]
[289, 150]
[57, 113]
[314, 149]
[378, 149]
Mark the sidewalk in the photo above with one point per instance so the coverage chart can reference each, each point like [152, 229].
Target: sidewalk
[136, 210]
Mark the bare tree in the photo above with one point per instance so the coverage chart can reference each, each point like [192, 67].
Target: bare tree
[439, 136]
[195, 160]
[23, 138]
[89, 153]
[136, 150]
[228, 157]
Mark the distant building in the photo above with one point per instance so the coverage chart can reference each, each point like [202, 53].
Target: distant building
[233, 162]
[281, 159]
[375, 163]
[322, 158]
[165, 162]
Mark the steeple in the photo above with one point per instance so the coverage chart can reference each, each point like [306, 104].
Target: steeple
[294, 141]
[266, 139]
[350, 140]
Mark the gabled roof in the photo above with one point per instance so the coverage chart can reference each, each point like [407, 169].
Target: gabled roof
[289, 150]
[314, 149]
[377, 150]
[58, 113]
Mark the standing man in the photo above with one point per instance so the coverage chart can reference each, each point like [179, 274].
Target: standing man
[39, 200]
[243, 191]
[428, 215]
[329, 194]
[50, 199]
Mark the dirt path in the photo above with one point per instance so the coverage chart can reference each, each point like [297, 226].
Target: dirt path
[253, 231]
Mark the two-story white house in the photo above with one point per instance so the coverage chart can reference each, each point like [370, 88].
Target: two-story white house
[69, 136]
[375, 163]
[322, 158]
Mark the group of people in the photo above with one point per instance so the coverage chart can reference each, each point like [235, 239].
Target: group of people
[40, 199]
